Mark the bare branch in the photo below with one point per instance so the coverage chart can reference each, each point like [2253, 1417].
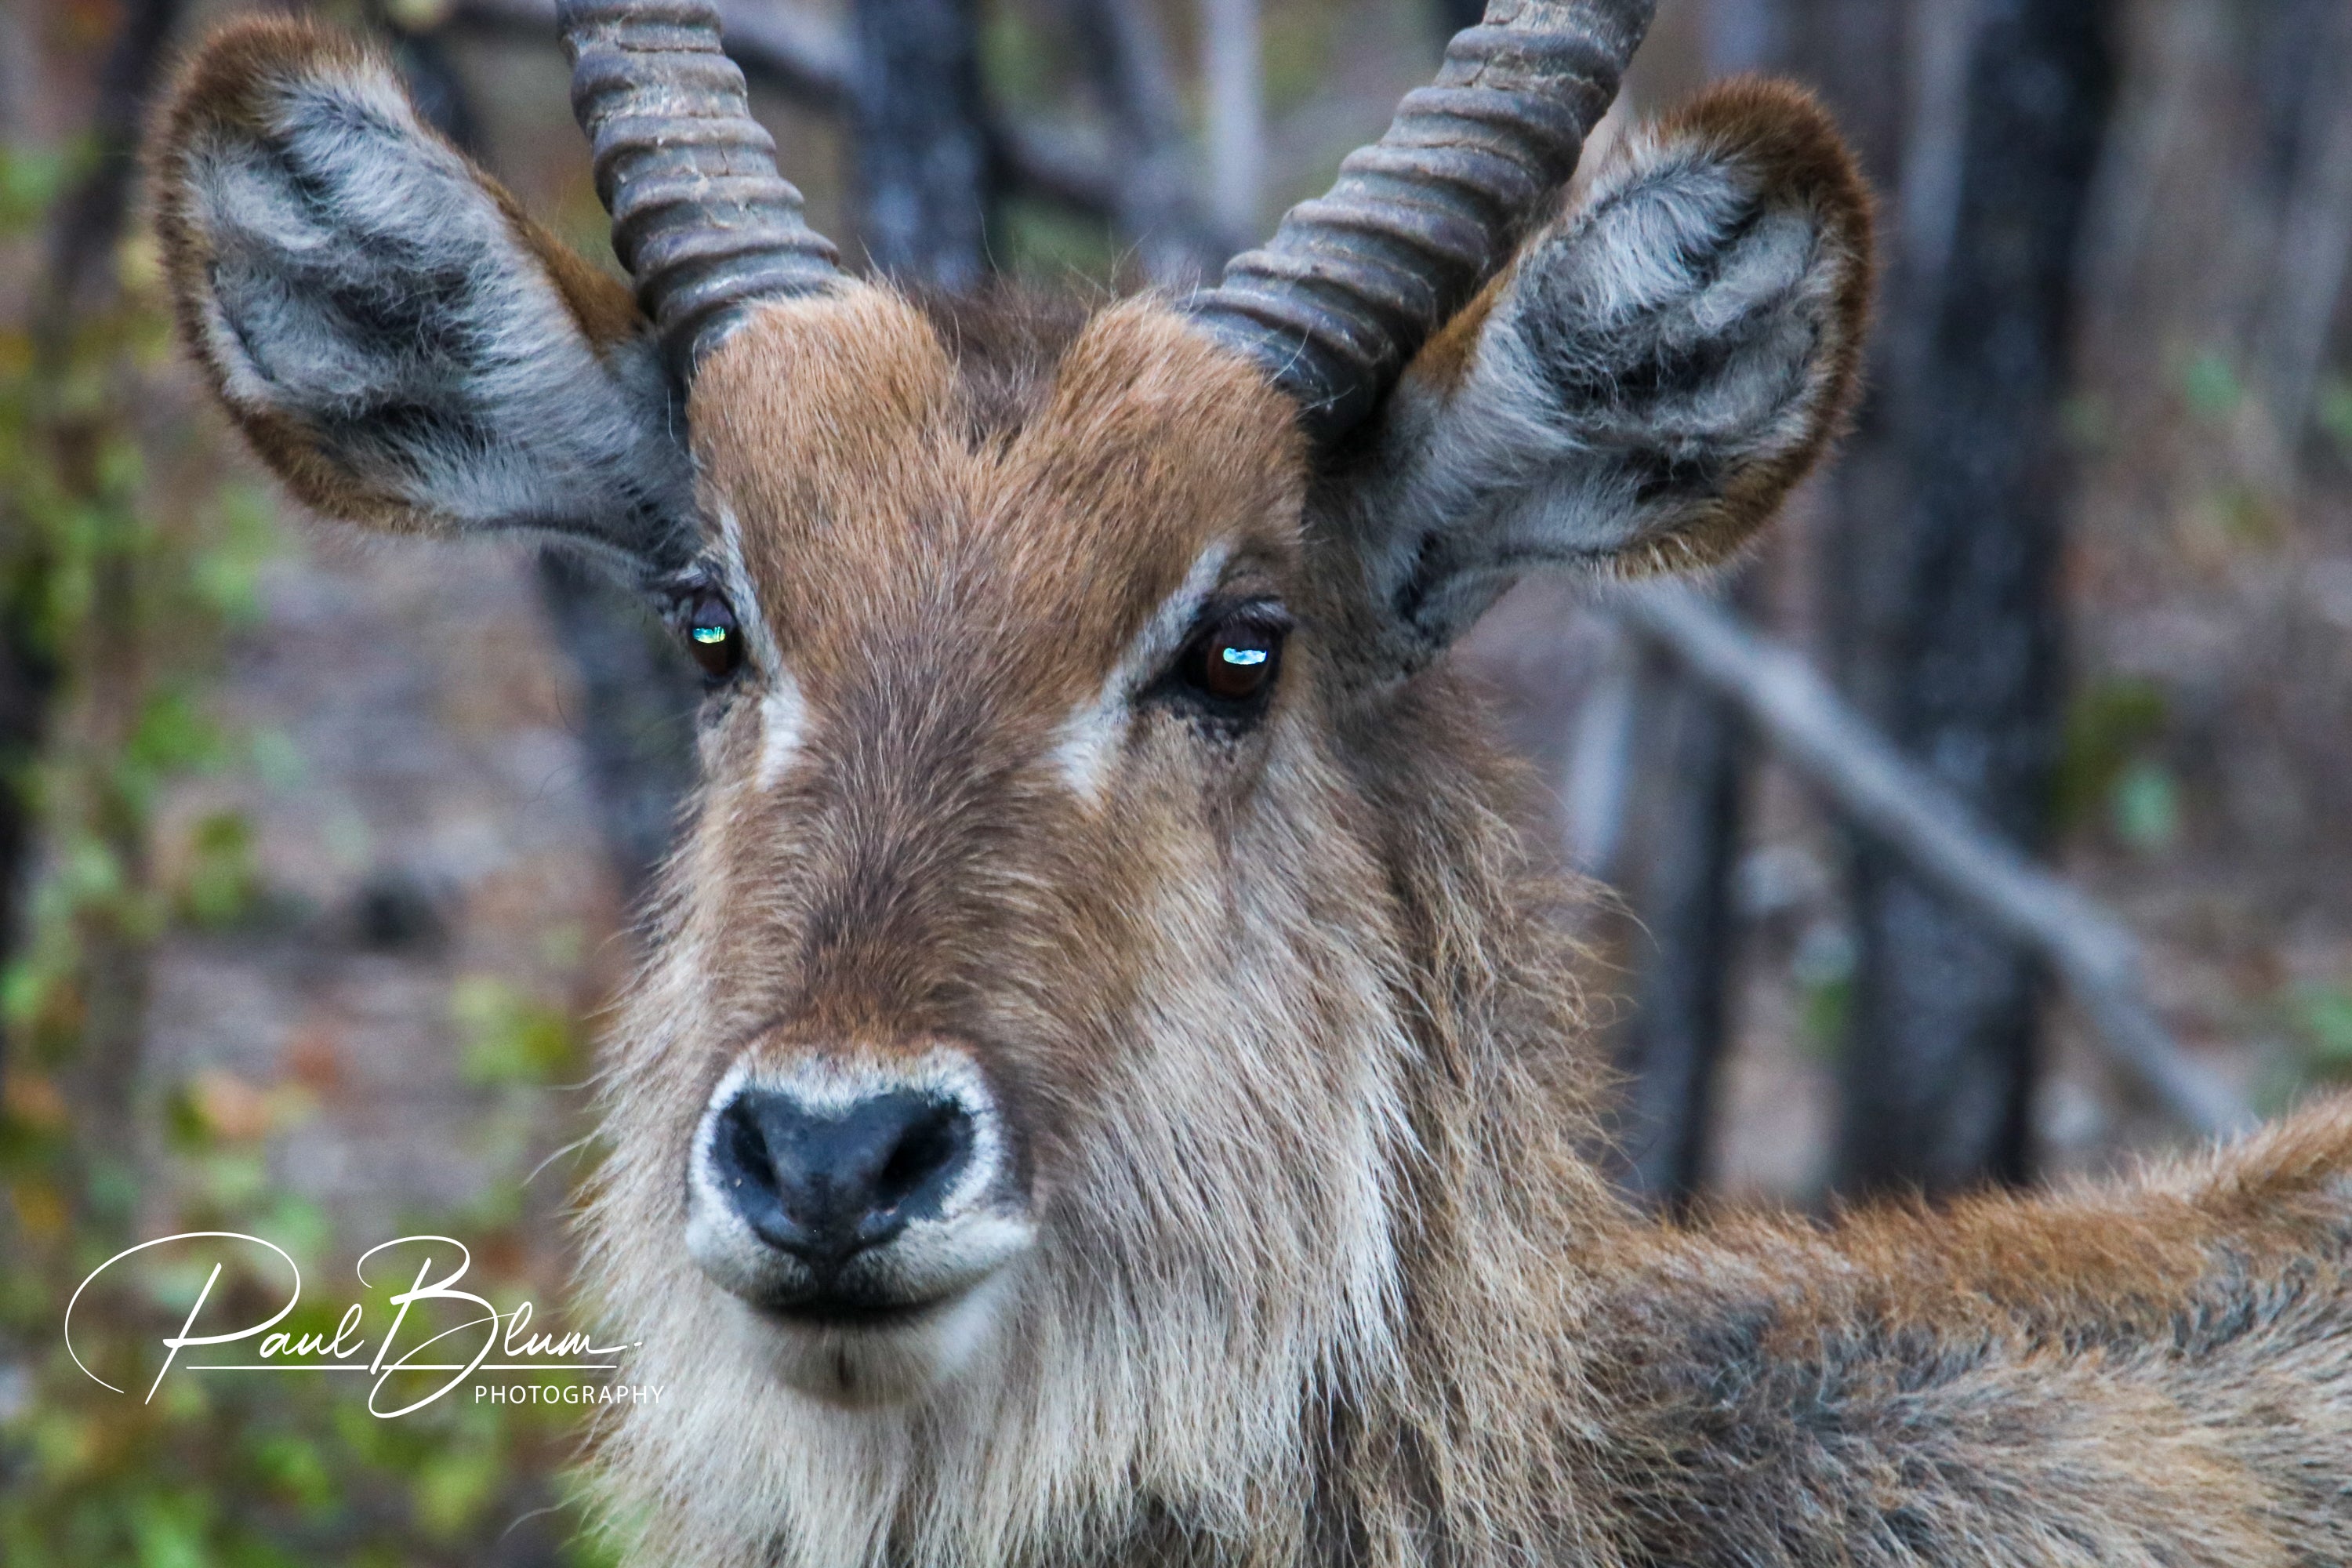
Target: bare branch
[1900, 806]
[792, 50]
[1051, 162]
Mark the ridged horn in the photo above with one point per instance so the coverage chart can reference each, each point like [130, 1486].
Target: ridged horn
[1353, 282]
[701, 219]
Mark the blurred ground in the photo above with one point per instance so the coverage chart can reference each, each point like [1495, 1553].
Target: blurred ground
[429, 858]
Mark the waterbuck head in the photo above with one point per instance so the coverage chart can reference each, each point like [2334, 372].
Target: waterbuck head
[1095, 981]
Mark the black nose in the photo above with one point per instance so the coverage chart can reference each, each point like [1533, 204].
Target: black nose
[824, 1183]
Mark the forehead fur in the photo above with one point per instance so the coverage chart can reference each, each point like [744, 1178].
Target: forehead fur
[889, 486]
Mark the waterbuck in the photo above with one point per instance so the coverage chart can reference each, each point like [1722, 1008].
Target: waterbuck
[1108, 1086]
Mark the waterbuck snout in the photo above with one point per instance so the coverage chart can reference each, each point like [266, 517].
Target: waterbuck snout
[827, 1185]
[865, 1202]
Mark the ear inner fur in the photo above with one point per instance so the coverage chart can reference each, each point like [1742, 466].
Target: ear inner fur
[217, 93]
[580, 448]
[1529, 432]
[1786, 132]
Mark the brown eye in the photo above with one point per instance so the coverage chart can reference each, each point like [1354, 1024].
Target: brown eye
[714, 639]
[1235, 661]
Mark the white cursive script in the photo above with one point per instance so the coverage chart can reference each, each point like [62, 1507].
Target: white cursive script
[278, 1350]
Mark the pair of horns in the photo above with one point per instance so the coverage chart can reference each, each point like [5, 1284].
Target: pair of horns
[1351, 285]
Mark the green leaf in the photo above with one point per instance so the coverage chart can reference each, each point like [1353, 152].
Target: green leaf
[2322, 1016]
[220, 886]
[295, 1467]
[2147, 807]
[168, 1532]
[2335, 413]
[509, 1038]
[173, 735]
[30, 179]
[226, 571]
[452, 1489]
[1822, 968]
[2110, 723]
[2211, 386]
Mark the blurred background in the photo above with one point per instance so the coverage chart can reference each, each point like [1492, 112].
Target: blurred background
[1993, 826]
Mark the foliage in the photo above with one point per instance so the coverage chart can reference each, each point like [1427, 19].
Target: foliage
[1822, 969]
[2112, 761]
[2323, 1018]
[2336, 414]
[127, 576]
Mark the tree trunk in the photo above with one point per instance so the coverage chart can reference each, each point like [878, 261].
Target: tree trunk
[1688, 835]
[1848, 51]
[637, 701]
[917, 131]
[2308, 100]
[1938, 1065]
[77, 281]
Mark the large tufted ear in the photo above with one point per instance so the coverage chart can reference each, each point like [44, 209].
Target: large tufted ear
[1642, 384]
[396, 339]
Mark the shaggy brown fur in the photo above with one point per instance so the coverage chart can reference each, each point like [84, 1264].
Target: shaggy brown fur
[1287, 1048]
